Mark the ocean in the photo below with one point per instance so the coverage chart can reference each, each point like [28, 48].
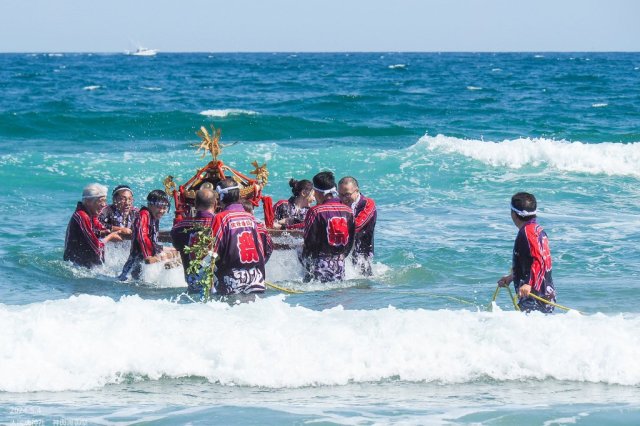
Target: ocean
[440, 141]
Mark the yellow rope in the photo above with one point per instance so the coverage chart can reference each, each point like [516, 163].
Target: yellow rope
[548, 302]
[513, 298]
[286, 290]
[443, 296]
[495, 295]
[515, 303]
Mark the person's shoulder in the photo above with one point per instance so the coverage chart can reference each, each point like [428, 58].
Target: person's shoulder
[368, 201]
[144, 213]
[82, 214]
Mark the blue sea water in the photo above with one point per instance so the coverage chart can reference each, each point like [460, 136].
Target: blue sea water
[440, 141]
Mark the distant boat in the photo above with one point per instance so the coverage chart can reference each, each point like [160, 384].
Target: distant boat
[142, 51]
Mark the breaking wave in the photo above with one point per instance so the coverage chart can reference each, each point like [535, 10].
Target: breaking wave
[86, 342]
[616, 159]
[222, 113]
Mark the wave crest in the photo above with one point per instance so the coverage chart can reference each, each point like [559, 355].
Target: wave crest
[222, 113]
[618, 159]
[87, 342]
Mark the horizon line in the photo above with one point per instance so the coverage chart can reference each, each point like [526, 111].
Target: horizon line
[108, 52]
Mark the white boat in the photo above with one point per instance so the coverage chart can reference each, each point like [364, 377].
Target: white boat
[142, 51]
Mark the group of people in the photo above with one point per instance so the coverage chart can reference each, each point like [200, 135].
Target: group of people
[95, 223]
[342, 222]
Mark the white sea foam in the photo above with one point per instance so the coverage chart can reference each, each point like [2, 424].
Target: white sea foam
[91, 87]
[153, 275]
[222, 113]
[609, 158]
[153, 89]
[599, 105]
[87, 342]
[474, 88]
[397, 66]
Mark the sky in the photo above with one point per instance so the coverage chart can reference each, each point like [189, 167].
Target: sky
[319, 25]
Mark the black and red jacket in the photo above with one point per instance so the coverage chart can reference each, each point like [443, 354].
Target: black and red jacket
[365, 214]
[241, 255]
[82, 244]
[329, 230]
[145, 235]
[532, 260]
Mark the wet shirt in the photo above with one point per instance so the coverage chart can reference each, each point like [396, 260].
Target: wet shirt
[145, 236]
[285, 209]
[328, 238]
[241, 255]
[82, 244]
[532, 265]
[110, 216]
[364, 210]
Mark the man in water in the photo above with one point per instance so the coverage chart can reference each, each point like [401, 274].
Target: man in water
[145, 234]
[83, 245]
[267, 243]
[364, 210]
[241, 260]
[329, 231]
[120, 215]
[531, 268]
[183, 231]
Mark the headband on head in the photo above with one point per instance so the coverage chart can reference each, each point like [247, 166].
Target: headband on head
[524, 213]
[120, 188]
[333, 191]
[94, 191]
[223, 191]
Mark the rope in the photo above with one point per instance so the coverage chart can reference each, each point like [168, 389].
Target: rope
[538, 298]
[285, 290]
[548, 302]
[442, 296]
[513, 298]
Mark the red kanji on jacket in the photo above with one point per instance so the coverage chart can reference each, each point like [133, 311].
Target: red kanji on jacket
[338, 231]
[247, 248]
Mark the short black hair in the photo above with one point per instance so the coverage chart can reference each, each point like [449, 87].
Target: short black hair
[298, 186]
[158, 196]
[234, 194]
[120, 188]
[324, 180]
[524, 201]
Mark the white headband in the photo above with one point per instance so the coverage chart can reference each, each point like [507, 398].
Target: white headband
[524, 213]
[119, 190]
[94, 190]
[223, 191]
[333, 191]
